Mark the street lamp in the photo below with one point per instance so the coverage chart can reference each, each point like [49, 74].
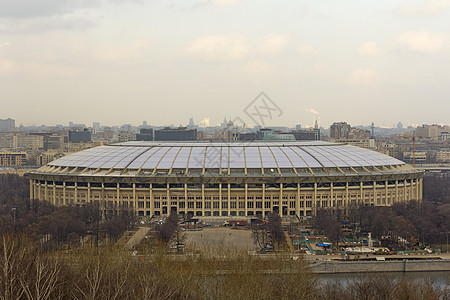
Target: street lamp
[14, 210]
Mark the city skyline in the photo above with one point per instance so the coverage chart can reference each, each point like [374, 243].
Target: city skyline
[119, 62]
[209, 124]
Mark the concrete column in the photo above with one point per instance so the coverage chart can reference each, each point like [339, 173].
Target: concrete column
[39, 191]
[35, 190]
[134, 199]
[346, 195]
[420, 188]
[246, 200]
[361, 193]
[411, 189]
[45, 191]
[396, 192]
[298, 200]
[264, 198]
[281, 197]
[76, 192]
[152, 204]
[203, 199]
[31, 188]
[229, 200]
[385, 193]
[64, 193]
[374, 192]
[102, 199]
[54, 194]
[220, 199]
[404, 190]
[118, 206]
[89, 192]
[315, 198]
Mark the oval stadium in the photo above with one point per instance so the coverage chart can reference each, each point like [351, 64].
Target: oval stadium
[226, 179]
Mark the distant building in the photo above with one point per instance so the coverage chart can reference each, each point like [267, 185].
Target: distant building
[29, 142]
[419, 156]
[7, 141]
[47, 157]
[362, 143]
[7, 124]
[80, 136]
[13, 158]
[145, 134]
[227, 134]
[431, 131]
[53, 142]
[249, 136]
[445, 136]
[340, 130]
[175, 134]
[191, 123]
[308, 134]
[356, 133]
[443, 156]
[267, 134]
[124, 136]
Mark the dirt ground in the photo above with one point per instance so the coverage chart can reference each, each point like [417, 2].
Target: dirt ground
[223, 237]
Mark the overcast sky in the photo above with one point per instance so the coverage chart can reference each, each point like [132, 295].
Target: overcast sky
[164, 61]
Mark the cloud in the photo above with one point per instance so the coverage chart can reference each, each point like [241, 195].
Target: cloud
[44, 24]
[363, 76]
[369, 49]
[307, 50]
[273, 44]
[42, 8]
[226, 2]
[136, 52]
[195, 4]
[219, 47]
[237, 47]
[427, 8]
[7, 66]
[423, 41]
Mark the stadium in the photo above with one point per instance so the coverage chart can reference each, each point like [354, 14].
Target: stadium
[226, 179]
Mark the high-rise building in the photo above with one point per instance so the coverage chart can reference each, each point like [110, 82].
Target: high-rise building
[339, 130]
[191, 123]
[7, 124]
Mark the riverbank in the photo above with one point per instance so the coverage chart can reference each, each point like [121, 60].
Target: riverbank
[323, 266]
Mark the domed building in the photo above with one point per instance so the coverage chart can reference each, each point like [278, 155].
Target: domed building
[226, 179]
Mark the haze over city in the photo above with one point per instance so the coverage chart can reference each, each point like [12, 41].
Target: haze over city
[165, 61]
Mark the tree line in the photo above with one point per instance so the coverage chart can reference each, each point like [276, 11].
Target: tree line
[50, 224]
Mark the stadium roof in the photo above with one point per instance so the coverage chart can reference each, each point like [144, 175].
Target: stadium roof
[155, 156]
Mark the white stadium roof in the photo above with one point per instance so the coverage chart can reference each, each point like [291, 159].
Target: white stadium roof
[233, 155]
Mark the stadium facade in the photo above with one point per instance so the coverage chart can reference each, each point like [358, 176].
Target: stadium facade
[226, 179]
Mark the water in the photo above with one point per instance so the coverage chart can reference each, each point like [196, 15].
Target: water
[439, 279]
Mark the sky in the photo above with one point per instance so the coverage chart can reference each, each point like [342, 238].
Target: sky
[165, 61]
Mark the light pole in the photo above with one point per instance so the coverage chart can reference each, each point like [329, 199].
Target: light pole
[14, 210]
